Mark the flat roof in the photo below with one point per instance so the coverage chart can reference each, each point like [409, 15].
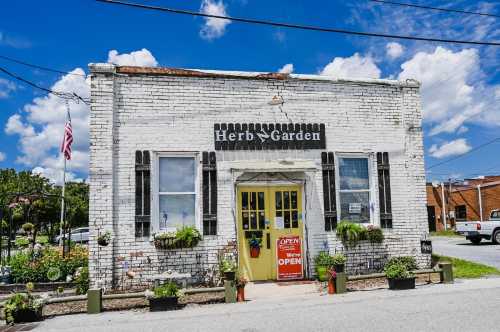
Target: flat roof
[203, 73]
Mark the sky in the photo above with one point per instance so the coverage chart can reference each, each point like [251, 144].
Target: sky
[460, 83]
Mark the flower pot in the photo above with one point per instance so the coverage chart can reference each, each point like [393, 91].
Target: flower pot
[27, 315]
[254, 252]
[331, 286]
[322, 272]
[398, 284]
[240, 294]
[339, 268]
[230, 275]
[163, 303]
[102, 242]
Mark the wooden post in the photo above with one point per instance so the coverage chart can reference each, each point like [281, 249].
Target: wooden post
[446, 274]
[94, 301]
[341, 283]
[230, 291]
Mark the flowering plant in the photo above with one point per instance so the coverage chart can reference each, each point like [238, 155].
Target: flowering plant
[332, 273]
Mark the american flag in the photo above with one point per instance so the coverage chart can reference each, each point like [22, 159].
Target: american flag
[67, 139]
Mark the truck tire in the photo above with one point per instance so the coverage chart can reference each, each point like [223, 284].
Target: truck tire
[496, 236]
[475, 240]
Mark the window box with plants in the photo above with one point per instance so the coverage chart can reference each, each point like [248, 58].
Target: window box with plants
[183, 237]
[255, 244]
[163, 297]
[23, 307]
[398, 271]
[352, 233]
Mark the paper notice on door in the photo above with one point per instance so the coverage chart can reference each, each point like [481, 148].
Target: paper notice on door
[279, 223]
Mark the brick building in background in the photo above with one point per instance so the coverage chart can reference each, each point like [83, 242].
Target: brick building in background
[469, 200]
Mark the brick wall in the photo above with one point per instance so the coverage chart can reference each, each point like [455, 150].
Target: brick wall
[132, 112]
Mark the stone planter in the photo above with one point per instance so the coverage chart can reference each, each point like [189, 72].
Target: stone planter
[163, 303]
[400, 284]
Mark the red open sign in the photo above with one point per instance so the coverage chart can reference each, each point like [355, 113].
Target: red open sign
[289, 258]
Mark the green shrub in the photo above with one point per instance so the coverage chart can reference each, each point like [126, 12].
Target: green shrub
[408, 261]
[28, 227]
[168, 289]
[82, 280]
[397, 271]
[374, 234]
[22, 242]
[350, 233]
[188, 235]
[323, 259]
[338, 259]
[20, 301]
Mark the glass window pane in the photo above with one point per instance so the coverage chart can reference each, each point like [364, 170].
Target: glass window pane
[287, 219]
[294, 199]
[261, 201]
[177, 210]
[253, 201]
[278, 200]
[295, 219]
[177, 174]
[244, 216]
[353, 173]
[253, 220]
[244, 201]
[286, 199]
[355, 207]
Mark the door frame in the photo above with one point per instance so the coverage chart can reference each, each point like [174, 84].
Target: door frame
[279, 183]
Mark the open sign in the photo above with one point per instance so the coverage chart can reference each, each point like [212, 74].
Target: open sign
[289, 256]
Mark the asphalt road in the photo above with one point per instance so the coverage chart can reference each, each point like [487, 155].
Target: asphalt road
[467, 305]
[486, 252]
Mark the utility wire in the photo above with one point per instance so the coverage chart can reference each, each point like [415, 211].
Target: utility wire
[450, 10]
[63, 95]
[466, 153]
[37, 66]
[294, 26]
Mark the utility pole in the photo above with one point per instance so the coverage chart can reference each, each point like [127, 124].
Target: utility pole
[449, 198]
[443, 208]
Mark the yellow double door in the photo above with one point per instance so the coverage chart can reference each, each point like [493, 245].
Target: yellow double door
[271, 214]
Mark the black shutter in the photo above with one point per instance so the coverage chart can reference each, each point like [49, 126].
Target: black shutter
[329, 195]
[142, 193]
[384, 189]
[209, 193]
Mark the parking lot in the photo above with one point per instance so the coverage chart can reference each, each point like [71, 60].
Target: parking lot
[486, 252]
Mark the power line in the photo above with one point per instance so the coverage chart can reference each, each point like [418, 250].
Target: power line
[294, 26]
[38, 67]
[63, 95]
[450, 10]
[466, 153]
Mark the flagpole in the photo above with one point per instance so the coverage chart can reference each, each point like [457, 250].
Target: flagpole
[61, 223]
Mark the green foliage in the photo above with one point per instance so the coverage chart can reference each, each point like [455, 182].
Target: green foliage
[323, 259]
[397, 271]
[22, 242]
[82, 280]
[28, 227]
[467, 269]
[350, 233]
[408, 261]
[20, 301]
[188, 235]
[227, 264]
[168, 289]
[54, 273]
[25, 266]
[374, 234]
[338, 259]
[255, 242]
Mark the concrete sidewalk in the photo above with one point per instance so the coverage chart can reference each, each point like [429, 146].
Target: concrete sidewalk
[256, 291]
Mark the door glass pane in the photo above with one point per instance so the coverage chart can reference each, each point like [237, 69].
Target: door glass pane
[245, 219]
[176, 210]
[295, 220]
[278, 200]
[279, 213]
[261, 201]
[353, 173]
[253, 201]
[287, 219]
[177, 174]
[253, 220]
[355, 207]
[244, 201]
[286, 198]
[294, 199]
[261, 220]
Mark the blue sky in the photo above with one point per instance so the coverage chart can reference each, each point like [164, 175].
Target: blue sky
[460, 91]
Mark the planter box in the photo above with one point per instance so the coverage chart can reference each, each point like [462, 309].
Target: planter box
[27, 315]
[399, 284]
[163, 303]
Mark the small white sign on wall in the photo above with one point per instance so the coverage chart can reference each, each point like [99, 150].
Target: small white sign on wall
[354, 208]
[279, 223]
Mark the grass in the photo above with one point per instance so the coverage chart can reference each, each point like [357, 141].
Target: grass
[445, 233]
[467, 269]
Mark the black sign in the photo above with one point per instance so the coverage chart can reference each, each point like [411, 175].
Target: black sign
[287, 136]
[426, 246]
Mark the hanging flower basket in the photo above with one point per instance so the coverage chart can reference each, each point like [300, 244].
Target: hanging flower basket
[254, 252]
[104, 239]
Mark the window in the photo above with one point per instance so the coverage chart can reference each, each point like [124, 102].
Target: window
[354, 189]
[460, 212]
[176, 192]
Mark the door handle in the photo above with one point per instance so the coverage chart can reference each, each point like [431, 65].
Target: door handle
[268, 240]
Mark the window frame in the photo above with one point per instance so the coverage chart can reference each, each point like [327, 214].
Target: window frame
[155, 194]
[370, 190]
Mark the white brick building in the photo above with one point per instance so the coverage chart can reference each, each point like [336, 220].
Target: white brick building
[157, 147]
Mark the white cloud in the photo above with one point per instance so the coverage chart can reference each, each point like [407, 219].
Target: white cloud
[448, 149]
[394, 50]
[355, 66]
[2, 156]
[213, 27]
[286, 69]
[6, 87]
[452, 88]
[141, 58]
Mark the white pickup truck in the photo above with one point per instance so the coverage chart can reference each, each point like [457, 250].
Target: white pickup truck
[475, 231]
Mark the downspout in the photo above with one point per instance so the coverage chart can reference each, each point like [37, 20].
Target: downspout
[443, 208]
[480, 199]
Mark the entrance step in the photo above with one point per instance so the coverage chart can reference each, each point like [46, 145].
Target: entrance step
[280, 289]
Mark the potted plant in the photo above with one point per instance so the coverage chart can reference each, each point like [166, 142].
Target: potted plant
[338, 262]
[23, 307]
[399, 277]
[104, 239]
[163, 297]
[240, 288]
[323, 262]
[254, 243]
[227, 267]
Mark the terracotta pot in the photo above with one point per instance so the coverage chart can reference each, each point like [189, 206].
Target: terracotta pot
[331, 286]
[254, 252]
[240, 294]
